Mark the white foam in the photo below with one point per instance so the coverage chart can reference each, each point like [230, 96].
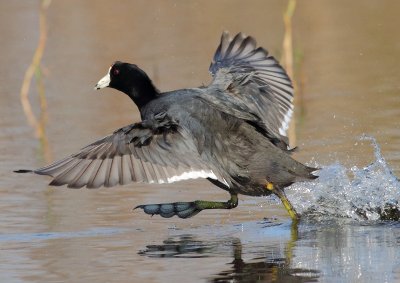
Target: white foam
[356, 193]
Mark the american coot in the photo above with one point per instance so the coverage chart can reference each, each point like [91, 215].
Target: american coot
[232, 132]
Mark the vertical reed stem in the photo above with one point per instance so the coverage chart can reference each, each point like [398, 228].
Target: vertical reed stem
[35, 68]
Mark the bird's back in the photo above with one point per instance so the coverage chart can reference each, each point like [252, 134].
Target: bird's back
[247, 157]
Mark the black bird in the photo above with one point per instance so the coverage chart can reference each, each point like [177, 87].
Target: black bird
[232, 132]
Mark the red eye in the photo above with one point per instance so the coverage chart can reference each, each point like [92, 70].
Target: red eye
[115, 72]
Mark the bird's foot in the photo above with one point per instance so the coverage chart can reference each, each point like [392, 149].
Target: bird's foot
[167, 210]
[187, 209]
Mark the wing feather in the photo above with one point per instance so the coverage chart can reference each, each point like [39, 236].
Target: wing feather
[257, 80]
[136, 153]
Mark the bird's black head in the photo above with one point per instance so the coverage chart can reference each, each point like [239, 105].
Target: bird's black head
[131, 80]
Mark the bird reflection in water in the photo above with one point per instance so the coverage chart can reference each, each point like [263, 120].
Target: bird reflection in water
[271, 267]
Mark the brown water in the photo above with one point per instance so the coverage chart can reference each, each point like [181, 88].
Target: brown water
[347, 68]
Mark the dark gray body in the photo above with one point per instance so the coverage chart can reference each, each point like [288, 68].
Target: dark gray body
[248, 157]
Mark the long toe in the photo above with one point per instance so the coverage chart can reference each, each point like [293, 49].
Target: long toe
[167, 210]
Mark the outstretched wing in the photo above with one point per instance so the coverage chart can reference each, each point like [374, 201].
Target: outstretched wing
[254, 82]
[153, 151]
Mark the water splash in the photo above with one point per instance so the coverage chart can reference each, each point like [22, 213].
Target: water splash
[370, 193]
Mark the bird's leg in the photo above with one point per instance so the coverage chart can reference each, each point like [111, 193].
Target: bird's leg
[286, 203]
[187, 209]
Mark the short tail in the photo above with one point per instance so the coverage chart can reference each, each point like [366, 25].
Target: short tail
[312, 171]
[306, 174]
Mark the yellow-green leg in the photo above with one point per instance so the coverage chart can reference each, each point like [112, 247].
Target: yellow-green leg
[286, 203]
